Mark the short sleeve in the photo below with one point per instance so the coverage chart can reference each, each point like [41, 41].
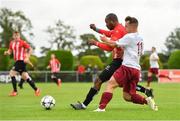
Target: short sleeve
[26, 45]
[10, 46]
[123, 41]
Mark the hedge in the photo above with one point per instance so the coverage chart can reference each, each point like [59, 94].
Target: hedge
[93, 60]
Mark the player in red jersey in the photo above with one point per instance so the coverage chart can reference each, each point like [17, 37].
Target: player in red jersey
[55, 66]
[127, 76]
[116, 31]
[21, 51]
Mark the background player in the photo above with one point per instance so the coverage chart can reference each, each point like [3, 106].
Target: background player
[154, 66]
[116, 32]
[55, 66]
[128, 74]
[20, 50]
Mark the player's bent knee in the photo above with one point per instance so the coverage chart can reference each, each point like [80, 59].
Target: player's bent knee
[149, 74]
[97, 84]
[127, 96]
[12, 73]
[25, 75]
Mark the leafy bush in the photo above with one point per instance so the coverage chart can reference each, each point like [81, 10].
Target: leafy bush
[174, 60]
[4, 60]
[93, 60]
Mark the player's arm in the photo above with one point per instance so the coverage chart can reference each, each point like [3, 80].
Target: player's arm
[28, 53]
[101, 45]
[9, 51]
[49, 66]
[120, 43]
[100, 31]
[155, 57]
[59, 66]
[27, 57]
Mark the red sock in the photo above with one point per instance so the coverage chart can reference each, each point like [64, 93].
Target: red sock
[149, 80]
[138, 99]
[105, 99]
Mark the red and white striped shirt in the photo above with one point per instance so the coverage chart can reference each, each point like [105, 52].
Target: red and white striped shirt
[18, 47]
[54, 65]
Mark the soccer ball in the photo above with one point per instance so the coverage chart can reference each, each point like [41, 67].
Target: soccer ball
[48, 102]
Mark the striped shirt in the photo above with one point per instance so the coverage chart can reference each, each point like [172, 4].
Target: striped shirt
[54, 65]
[18, 47]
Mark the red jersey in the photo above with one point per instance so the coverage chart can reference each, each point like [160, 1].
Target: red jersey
[118, 32]
[81, 69]
[18, 47]
[54, 65]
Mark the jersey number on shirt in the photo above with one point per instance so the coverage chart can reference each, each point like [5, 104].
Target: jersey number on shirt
[140, 48]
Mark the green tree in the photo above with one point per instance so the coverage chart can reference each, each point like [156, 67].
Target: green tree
[84, 43]
[4, 60]
[61, 37]
[13, 21]
[87, 49]
[173, 41]
[174, 60]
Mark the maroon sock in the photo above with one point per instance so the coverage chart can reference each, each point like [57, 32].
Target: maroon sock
[105, 99]
[138, 99]
[149, 80]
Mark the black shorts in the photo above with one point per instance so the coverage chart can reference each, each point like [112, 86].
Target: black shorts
[106, 74]
[20, 66]
[54, 75]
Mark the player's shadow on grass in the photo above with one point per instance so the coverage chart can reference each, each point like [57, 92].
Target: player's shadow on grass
[128, 109]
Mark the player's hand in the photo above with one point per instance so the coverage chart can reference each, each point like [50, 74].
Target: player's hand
[92, 26]
[6, 53]
[104, 38]
[92, 42]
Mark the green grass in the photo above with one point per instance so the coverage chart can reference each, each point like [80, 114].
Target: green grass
[27, 106]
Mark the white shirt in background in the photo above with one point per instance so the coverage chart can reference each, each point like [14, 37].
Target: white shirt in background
[154, 60]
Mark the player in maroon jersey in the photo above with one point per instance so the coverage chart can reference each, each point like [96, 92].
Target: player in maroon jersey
[21, 51]
[116, 31]
[55, 66]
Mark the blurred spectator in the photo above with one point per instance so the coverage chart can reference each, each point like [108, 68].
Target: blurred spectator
[95, 72]
[80, 71]
[89, 72]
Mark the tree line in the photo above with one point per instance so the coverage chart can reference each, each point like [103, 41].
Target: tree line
[62, 37]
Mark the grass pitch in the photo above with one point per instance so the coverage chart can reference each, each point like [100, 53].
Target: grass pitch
[26, 106]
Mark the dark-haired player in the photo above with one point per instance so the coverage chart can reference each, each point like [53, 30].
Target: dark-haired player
[21, 50]
[55, 66]
[116, 31]
[127, 75]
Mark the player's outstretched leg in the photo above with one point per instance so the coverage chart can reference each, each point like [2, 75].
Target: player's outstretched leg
[147, 91]
[138, 99]
[107, 95]
[14, 83]
[89, 97]
[26, 77]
